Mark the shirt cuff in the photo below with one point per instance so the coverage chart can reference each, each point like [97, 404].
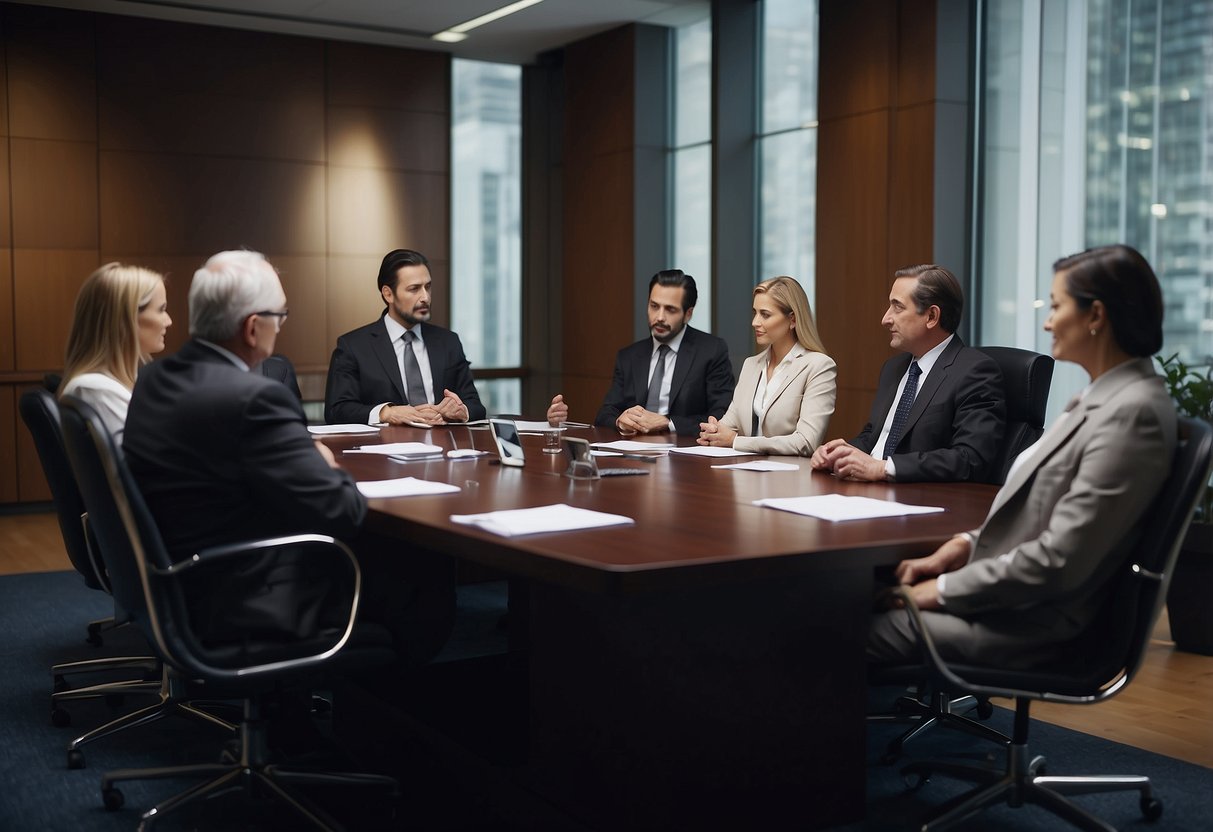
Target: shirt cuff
[671, 427]
[374, 419]
[890, 470]
[940, 583]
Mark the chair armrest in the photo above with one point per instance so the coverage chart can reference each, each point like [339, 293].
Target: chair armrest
[950, 679]
[338, 551]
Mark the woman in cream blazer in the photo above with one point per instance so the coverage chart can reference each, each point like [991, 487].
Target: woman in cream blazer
[785, 395]
[1033, 577]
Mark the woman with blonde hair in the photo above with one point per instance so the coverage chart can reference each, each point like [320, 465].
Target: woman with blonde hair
[785, 395]
[120, 320]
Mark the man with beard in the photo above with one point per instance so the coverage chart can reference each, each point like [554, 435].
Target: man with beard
[401, 368]
[672, 380]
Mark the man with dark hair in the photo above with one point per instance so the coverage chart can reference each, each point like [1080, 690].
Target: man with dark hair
[672, 380]
[396, 370]
[940, 409]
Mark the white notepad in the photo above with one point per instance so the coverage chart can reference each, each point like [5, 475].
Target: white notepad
[553, 518]
[404, 487]
[838, 507]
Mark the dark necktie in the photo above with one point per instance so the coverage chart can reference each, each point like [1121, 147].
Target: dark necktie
[904, 405]
[414, 386]
[654, 398]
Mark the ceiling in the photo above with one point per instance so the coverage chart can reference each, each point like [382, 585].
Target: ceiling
[518, 38]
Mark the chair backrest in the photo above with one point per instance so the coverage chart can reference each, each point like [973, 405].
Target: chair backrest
[40, 412]
[280, 368]
[1026, 377]
[114, 507]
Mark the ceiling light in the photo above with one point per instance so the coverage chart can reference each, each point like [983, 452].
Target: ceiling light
[458, 33]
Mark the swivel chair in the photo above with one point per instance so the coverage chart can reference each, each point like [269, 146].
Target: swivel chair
[156, 592]
[1104, 660]
[1026, 377]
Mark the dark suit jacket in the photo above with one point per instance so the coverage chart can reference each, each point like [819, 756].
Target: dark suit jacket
[957, 422]
[364, 372]
[702, 385]
[223, 456]
[280, 368]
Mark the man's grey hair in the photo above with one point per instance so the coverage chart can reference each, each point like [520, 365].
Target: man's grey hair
[230, 287]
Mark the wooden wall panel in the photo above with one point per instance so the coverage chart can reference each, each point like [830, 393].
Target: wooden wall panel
[45, 285]
[599, 153]
[915, 77]
[912, 188]
[51, 73]
[160, 204]
[368, 137]
[360, 75]
[54, 192]
[857, 51]
[8, 339]
[9, 492]
[372, 211]
[302, 337]
[175, 88]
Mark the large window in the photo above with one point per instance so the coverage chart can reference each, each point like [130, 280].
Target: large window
[787, 141]
[1096, 128]
[691, 156]
[486, 232]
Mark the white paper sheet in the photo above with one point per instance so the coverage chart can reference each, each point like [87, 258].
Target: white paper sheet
[709, 450]
[533, 427]
[761, 465]
[325, 430]
[630, 446]
[404, 487]
[465, 453]
[836, 507]
[397, 448]
[553, 518]
[596, 452]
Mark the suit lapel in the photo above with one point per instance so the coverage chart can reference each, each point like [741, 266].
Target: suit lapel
[793, 370]
[934, 381]
[381, 345]
[437, 355]
[682, 365]
[640, 374]
[884, 398]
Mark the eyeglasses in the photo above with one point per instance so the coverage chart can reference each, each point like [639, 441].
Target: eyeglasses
[279, 317]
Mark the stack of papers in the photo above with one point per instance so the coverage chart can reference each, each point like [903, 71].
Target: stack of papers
[404, 487]
[554, 518]
[324, 430]
[709, 450]
[761, 465]
[397, 449]
[837, 507]
[629, 446]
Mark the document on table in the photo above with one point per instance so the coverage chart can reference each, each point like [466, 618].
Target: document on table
[709, 450]
[397, 449]
[325, 430]
[629, 446]
[553, 518]
[761, 465]
[404, 487]
[838, 507]
[525, 426]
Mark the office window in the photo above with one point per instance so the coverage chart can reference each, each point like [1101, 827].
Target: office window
[691, 156]
[1096, 128]
[787, 141]
[486, 225]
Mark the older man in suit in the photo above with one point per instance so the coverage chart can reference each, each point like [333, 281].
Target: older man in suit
[940, 409]
[401, 368]
[671, 381]
[222, 454]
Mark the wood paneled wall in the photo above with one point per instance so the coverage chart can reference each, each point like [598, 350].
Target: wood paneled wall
[600, 148]
[875, 175]
[161, 143]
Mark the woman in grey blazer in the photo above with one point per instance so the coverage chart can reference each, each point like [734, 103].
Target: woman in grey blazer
[785, 395]
[1035, 574]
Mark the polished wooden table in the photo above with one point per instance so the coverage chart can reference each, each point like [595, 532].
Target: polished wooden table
[702, 668]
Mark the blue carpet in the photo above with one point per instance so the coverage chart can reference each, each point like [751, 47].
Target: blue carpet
[43, 617]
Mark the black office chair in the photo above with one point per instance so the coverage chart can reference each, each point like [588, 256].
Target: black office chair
[156, 592]
[1098, 667]
[40, 413]
[280, 368]
[1026, 377]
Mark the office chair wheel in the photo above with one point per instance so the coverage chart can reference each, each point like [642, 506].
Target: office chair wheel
[112, 798]
[1151, 808]
[985, 708]
[60, 718]
[75, 758]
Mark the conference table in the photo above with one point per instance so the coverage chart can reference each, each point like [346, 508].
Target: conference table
[700, 668]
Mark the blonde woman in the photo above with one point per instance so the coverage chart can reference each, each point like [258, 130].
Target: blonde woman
[785, 395]
[120, 321]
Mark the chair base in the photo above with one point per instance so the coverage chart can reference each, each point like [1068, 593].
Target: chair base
[1023, 782]
[942, 711]
[252, 772]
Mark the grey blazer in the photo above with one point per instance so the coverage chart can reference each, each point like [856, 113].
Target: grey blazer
[1060, 527]
[798, 411]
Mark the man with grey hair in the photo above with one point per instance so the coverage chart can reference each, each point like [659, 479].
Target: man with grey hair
[223, 455]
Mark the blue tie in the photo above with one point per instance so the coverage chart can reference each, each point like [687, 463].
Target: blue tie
[904, 405]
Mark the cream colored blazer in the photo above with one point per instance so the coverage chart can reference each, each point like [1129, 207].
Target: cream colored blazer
[797, 412]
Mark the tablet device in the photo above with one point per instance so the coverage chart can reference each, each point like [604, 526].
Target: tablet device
[583, 466]
[509, 444]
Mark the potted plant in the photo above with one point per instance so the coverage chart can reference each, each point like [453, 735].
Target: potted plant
[1190, 597]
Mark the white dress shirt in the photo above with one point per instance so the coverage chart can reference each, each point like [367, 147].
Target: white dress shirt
[925, 365]
[107, 396]
[760, 392]
[667, 379]
[396, 332]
